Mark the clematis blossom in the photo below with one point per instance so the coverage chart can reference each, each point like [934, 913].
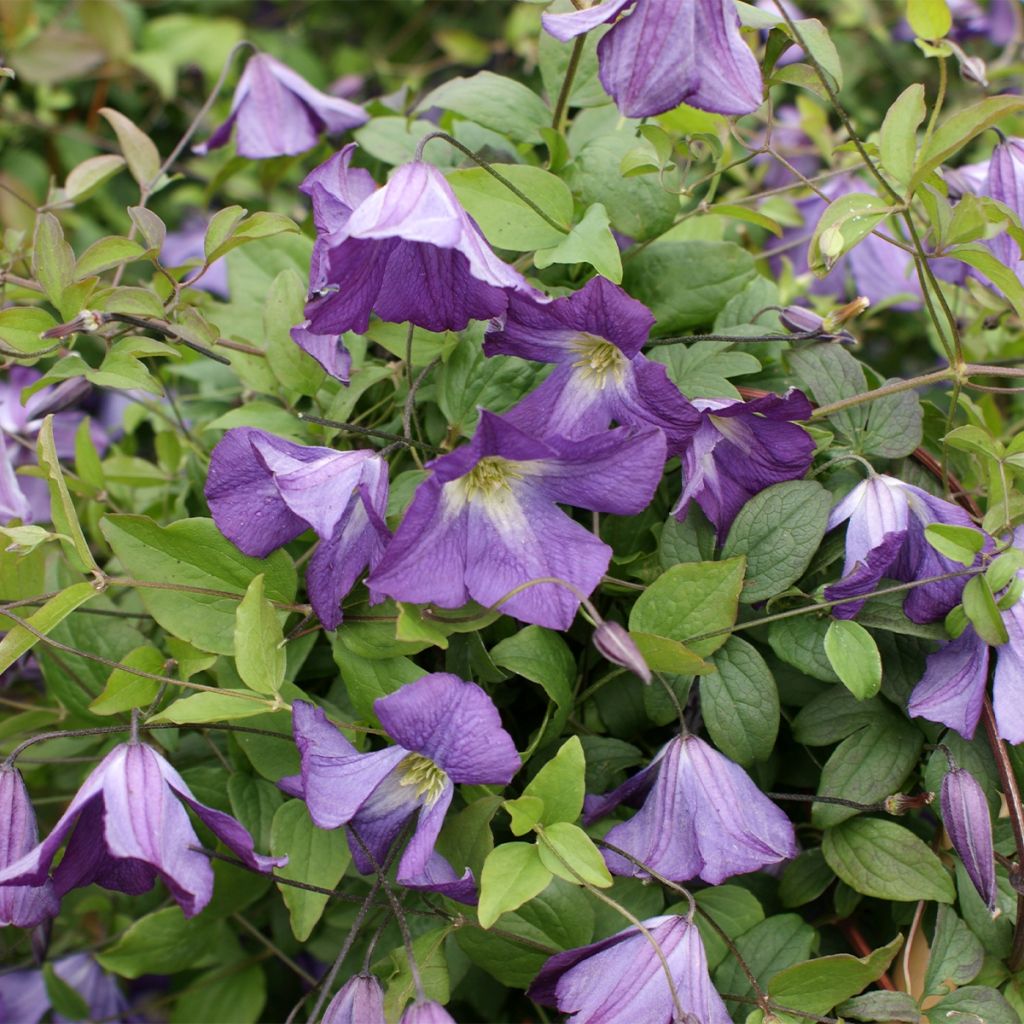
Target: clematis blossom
[24, 999]
[406, 252]
[666, 52]
[23, 906]
[701, 816]
[359, 1001]
[278, 113]
[486, 520]
[127, 826]
[622, 980]
[739, 449]
[426, 1011]
[593, 337]
[263, 491]
[886, 538]
[445, 731]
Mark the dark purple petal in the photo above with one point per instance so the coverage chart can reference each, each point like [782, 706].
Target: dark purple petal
[361, 266]
[952, 689]
[22, 906]
[327, 349]
[864, 575]
[968, 824]
[632, 792]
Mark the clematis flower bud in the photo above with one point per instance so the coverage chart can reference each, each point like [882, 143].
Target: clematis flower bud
[359, 1001]
[968, 824]
[615, 643]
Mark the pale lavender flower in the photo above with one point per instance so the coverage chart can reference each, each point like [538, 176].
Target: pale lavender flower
[359, 1001]
[21, 905]
[263, 491]
[446, 731]
[487, 520]
[666, 52]
[278, 113]
[968, 824]
[701, 817]
[127, 826]
[622, 980]
[1005, 183]
[24, 1000]
[427, 1011]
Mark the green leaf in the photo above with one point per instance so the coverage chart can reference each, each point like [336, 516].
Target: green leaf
[976, 441]
[663, 654]
[560, 784]
[525, 812]
[818, 42]
[262, 224]
[881, 1006]
[805, 878]
[165, 942]
[930, 19]
[428, 950]
[506, 221]
[845, 222]
[853, 654]
[882, 859]
[20, 328]
[779, 530]
[701, 370]
[19, 640]
[591, 241]
[543, 657]
[192, 553]
[139, 151]
[980, 607]
[513, 874]
[898, 139]
[124, 690]
[499, 103]
[62, 508]
[107, 253]
[975, 1004]
[734, 909]
[689, 600]
[565, 848]
[282, 310]
[63, 998]
[231, 994]
[52, 260]
[800, 642]
[89, 175]
[259, 641]
[151, 227]
[956, 955]
[223, 706]
[959, 543]
[315, 856]
[979, 256]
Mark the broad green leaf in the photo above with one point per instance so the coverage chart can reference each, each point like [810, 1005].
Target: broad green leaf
[52, 260]
[881, 1006]
[567, 851]
[221, 227]
[282, 310]
[956, 955]
[975, 440]
[107, 253]
[818, 41]
[898, 140]
[501, 104]
[62, 508]
[428, 950]
[124, 690]
[800, 642]
[663, 654]
[885, 860]
[259, 641]
[233, 993]
[151, 227]
[591, 241]
[167, 941]
[704, 369]
[19, 640]
[63, 998]
[975, 1003]
[543, 657]
[805, 878]
[223, 706]
[979, 256]
[853, 655]
[525, 812]
[262, 224]
[20, 328]
[930, 19]
[980, 606]
[734, 909]
[513, 874]
[89, 175]
[959, 543]
[560, 784]
[139, 151]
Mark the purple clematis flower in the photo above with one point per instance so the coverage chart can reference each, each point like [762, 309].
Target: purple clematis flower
[359, 1001]
[278, 113]
[739, 449]
[264, 491]
[127, 827]
[593, 337]
[486, 520]
[666, 52]
[968, 824]
[701, 817]
[446, 731]
[427, 1011]
[23, 906]
[24, 999]
[1005, 183]
[407, 252]
[886, 538]
[622, 980]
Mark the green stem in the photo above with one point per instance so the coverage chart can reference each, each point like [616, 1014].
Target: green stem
[823, 411]
[570, 74]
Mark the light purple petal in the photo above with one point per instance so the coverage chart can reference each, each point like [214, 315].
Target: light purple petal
[1008, 681]
[327, 349]
[359, 1001]
[952, 689]
[22, 906]
[23, 998]
[13, 503]
[968, 823]
[568, 26]
[729, 77]
[336, 114]
[428, 1012]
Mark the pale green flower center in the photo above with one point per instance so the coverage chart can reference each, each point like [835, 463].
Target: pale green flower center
[597, 359]
[420, 772]
[491, 474]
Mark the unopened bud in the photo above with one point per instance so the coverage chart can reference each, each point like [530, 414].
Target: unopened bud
[806, 323]
[618, 647]
[87, 322]
[844, 314]
[968, 824]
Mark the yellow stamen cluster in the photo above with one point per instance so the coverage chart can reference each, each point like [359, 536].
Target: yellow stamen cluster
[420, 772]
[598, 358]
[490, 474]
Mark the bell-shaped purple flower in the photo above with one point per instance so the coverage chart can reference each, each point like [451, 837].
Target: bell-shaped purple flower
[21, 905]
[886, 538]
[426, 1011]
[968, 824]
[446, 731]
[1005, 183]
[24, 999]
[593, 337]
[406, 252]
[264, 491]
[487, 521]
[359, 1001]
[666, 52]
[739, 449]
[622, 979]
[127, 826]
[278, 113]
[701, 817]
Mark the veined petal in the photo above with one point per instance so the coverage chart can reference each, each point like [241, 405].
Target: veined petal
[272, 121]
[729, 77]
[327, 349]
[23, 906]
[1007, 690]
[337, 114]
[952, 689]
[968, 823]
[575, 23]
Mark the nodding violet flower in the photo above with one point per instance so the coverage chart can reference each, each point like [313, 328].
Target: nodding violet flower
[968, 824]
[886, 538]
[21, 905]
[264, 491]
[407, 252]
[446, 730]
[593, 337]
[24, 999]
[1005, 183]
[701, 817]
[739, 449]
[622, 980]
[359, 1001]
[666, 52]
[278, 113]
[128, 826]
[427, 1011]
[487, 521]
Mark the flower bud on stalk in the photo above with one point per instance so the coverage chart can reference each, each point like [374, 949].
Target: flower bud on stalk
[968, 823]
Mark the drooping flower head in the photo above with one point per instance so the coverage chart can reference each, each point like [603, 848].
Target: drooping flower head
[622, 980]
[446, 731]
[24, 998]
[359, 1001]
[23, 906]
[127, 826]
[968, 824]
[278, 113]
[264, 491]
[1005, 183]
[886, 538]
[487, 521]
[701, 817]
[666, 52]
[426, 1011]
[593, 337]
[406, 252]
[739, 449]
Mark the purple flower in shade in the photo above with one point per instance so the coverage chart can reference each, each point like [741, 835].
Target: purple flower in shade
[739, 449]
[446, 731]
[188, 244]
[359, 1001]
[426, 1011]
[23, 906]
[593, 337]
[666, 52]
[24, 1000]
[701, 817]
[886, 538]
[264, 491]
[622, 980]
[615, 643]
[486, 520]
[127, 826]
[407, 252]
[278, 113]
[968, 824]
